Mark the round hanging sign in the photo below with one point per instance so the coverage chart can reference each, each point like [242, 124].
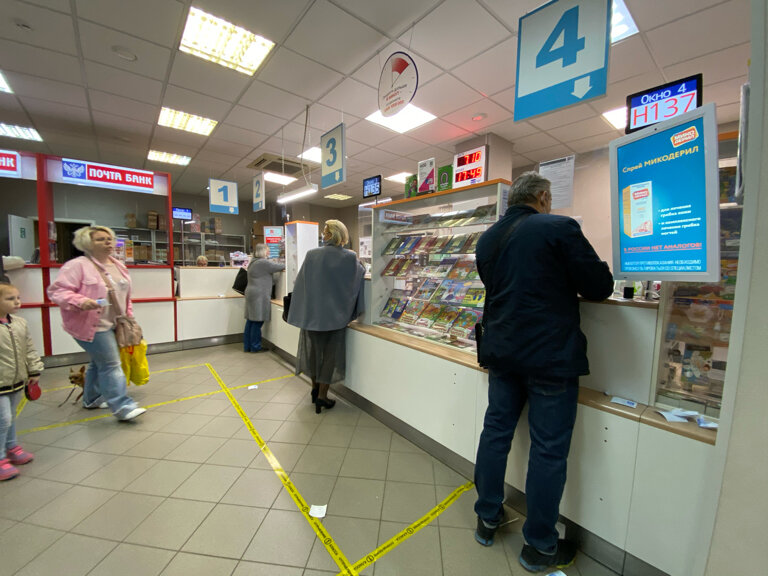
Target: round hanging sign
[397, 84]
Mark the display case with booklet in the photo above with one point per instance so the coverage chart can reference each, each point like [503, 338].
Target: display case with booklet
[424, 279]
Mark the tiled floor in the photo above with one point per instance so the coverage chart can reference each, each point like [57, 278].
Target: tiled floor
[185, 490]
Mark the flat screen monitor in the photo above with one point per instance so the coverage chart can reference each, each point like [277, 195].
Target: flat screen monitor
[181, 213]
[372, 186]
[664, 200]
[663, 102]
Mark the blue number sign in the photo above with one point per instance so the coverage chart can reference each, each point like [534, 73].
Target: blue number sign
[333, 167]
[222, 196]
[258, 192]
[562, 55]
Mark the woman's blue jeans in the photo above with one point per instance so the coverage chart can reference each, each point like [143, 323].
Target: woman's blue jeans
[104, 378]
[551, 415]
[8, 405]
[252, 336]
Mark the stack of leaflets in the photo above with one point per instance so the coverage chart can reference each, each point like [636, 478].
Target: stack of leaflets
[394, 308]
[475, 297]
[393, 245]
[462, 270]
[412, 311]
[464, 325]
[446, 318]
[393, 267]
[427, 289]
[428, 315]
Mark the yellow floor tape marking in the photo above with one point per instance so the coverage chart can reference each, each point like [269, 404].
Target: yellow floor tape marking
[174, 401]
[21, 405]
[403, 535]
[317, 526]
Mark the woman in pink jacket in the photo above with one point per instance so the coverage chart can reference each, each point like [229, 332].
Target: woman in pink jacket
[89, 317]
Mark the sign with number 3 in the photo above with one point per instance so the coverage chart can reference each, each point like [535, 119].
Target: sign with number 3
[333, 159]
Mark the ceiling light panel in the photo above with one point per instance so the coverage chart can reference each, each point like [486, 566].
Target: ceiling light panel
[407, 119]
[622, 23]
[168, 158]
[187, 122]
[617, 117]
[4, 87]
[337, 197]
[12, 131]
[400, 178]
[223, 43]
[278, 178]
[312, 155]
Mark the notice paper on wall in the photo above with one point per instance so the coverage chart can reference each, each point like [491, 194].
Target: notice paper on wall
[560, 173]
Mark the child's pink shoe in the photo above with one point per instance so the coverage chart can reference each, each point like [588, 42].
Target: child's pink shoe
[7, 470]
[17, 455]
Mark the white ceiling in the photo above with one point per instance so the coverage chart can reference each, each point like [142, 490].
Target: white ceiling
[88, 103]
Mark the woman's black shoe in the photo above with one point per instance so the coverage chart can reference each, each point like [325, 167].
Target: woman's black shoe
[324, 403]
[314, 395]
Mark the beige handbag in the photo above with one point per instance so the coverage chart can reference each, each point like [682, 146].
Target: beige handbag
[127, 330]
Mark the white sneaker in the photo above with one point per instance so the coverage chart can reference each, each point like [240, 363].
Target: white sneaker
[134, 413]
[103, 405]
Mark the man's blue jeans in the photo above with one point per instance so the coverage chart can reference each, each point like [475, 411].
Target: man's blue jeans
[252, 336]
[551, 415]
[104, 378]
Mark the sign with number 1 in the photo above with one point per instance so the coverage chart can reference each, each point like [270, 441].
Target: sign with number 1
[333, 159]
[562, 55]
[222, 196]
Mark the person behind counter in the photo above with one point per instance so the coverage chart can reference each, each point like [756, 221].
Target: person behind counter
[258, 306]
[201, 261]
[533, 265]
[327, 295]
[81, 293]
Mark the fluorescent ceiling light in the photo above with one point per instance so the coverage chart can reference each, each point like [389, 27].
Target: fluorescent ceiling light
[12, 131]
[278, 178]
[223, 43]
[313, 154]
[617, 117]
[4, 85]
[381, 201]
[401, 178]
[407, 119]
[187, 122]
[299, 193]
[168, 158]
[337, 197]
[622, 24]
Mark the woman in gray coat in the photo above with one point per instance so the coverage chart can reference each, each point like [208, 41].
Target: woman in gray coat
[327, 295]
[257, 297]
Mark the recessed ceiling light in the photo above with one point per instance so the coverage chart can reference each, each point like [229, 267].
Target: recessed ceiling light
[617, 117]
[622, 24]
[299, 193]
[407, 119]
[337, 197]
[313, 154]
[12, 131]
[124, 53]
[478, 117]
[168, 158]
[401, 178]
[188, 122]
[4, 87]
[278, 178]
[223, 43]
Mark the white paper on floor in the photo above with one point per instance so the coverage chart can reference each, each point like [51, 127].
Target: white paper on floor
[253, 387]
[318, 511]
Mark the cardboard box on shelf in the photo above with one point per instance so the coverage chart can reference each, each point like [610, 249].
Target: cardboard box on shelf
[177, 255]
[214, 224]
[130, 220]
[162, 222]
[195, 225]
[152, 219]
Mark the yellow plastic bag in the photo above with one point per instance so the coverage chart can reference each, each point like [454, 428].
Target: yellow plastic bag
[134, 362]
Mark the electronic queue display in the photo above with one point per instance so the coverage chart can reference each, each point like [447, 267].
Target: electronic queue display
[665, 202]
[663, 102]
[470, 167]
[181, 213]
[372, 186]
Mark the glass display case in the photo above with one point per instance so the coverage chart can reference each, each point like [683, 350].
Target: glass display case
[696, 326]
[424, 281]
[300, 238]
[187, 246]
[142, 245]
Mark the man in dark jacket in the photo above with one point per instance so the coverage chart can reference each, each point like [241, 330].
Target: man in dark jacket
[534, 265]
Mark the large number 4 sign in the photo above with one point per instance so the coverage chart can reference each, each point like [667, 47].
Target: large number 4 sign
[562, 55]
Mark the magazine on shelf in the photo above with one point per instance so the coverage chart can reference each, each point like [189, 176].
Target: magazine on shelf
[462, 269]
[441, 290]
[427, 289]
[422, 241]
[471, 244]
[444, 321]
[444, 268]
[426, 245]
[394, 308]
[412, 311]
[455, 292]
[464, 325]
[456, 244]
[440, 244]
[408, 244]
[405, 268]
[394, 265]
[392, 245]
[475, 297]
[428, 315]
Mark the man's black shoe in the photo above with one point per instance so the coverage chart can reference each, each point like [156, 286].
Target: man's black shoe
[484, 535]
[534, 561]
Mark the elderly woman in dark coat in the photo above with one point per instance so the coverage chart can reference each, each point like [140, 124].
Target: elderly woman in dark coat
[257, 297]
[327, 295]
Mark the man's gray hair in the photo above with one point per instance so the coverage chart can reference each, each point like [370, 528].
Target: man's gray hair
[526, 189]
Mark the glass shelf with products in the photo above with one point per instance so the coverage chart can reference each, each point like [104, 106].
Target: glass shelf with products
[188, 246]
[424, 279]
[143, 245]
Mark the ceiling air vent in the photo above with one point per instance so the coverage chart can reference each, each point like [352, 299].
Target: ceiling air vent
[273, 163]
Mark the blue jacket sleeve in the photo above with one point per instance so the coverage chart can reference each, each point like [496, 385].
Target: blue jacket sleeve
[591, 276]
